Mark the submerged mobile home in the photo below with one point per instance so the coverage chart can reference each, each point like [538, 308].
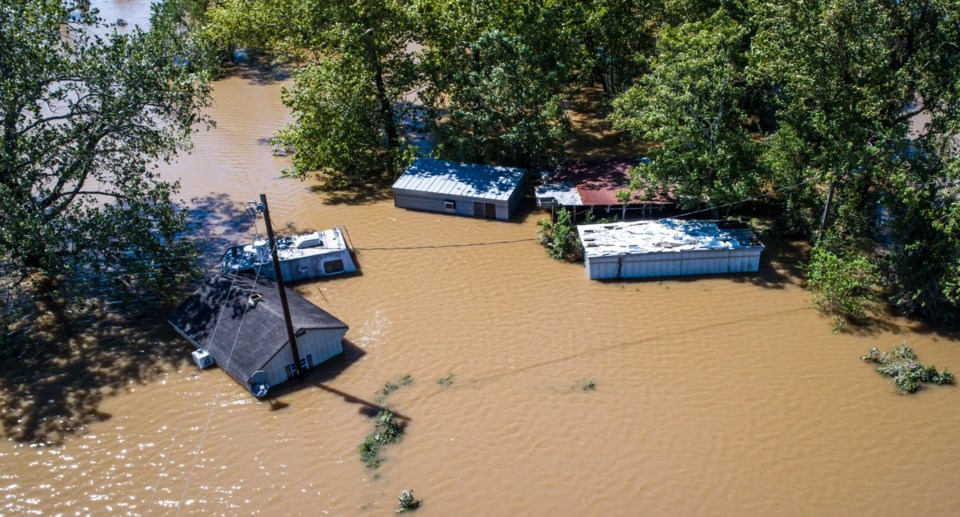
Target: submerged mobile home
[468, 189]
[668, 247]
[302, 257]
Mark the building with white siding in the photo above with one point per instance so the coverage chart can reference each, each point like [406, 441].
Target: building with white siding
[668, 247]
[468, 189]
[239, 323]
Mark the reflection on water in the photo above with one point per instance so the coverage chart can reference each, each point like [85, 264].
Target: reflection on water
[714, 396]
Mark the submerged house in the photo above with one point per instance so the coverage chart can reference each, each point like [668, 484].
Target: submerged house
[237, 322]
[468, 189]
[668, 247]
[588, 185]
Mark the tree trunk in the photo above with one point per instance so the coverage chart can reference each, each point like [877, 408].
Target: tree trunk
[386, 109]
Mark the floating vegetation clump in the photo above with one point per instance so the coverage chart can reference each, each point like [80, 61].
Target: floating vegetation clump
[587, 385]
[387, 430]
[390, 387]
[446, 381]
[407, 502]
[902, 365]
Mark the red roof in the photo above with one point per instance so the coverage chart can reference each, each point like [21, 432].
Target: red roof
[598, 181]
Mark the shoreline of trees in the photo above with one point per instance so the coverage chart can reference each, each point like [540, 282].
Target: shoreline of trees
[743, 97]
[815, 101]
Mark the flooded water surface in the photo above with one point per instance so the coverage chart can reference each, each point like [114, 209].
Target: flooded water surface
[717, 396]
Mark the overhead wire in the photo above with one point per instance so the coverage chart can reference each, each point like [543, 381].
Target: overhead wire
[173, 438]
[745, 200]
[401, 248]
[216, 398]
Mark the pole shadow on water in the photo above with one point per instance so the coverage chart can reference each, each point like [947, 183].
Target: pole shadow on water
[319, 375]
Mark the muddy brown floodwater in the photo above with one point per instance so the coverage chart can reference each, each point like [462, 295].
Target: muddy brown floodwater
[717, 396]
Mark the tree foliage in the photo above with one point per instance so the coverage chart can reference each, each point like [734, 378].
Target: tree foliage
[498, 105]
[86, 113]
[494, 73]
[353, 71]
[560, 237]
[851, 77]
[690, 104]
[612, 40]
[738, 98]
[844, 281]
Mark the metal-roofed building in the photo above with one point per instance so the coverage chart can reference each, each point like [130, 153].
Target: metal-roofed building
[251, 336]
[460, 188]
[595, 184]
[668, 247]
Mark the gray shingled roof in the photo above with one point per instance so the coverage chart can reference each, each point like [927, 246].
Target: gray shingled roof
[262, 332]
[460, 179]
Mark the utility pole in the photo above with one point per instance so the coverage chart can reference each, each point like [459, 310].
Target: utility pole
[826, 211]
[283, 292]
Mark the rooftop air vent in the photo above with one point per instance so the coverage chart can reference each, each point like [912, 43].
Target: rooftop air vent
[253, 299]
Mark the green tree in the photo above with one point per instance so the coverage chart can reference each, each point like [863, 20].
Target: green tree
[494, 75]
[850, 78]
[690, 105]
[560, 237]
[844, 281]
[86, 113]
[613, 39]
[353, 70]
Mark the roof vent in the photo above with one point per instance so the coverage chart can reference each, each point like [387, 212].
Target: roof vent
[253, 299]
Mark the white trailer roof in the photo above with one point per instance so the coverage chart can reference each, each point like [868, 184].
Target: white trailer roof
[662, 236]
[460, 179]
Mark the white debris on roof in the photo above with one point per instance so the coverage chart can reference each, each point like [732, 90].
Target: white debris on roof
[664, 235]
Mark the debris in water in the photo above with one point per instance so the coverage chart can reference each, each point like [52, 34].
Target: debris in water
[407, 502]
[902, 365]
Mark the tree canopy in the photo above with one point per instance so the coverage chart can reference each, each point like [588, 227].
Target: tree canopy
[690, 104]
[795, 102]
[87, 112]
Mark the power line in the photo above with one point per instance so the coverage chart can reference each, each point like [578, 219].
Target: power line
[163, 469]
[440, 246]
[754, 198]
[216, 398]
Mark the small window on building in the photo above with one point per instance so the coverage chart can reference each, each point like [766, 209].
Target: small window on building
[449, 204]
[333, 266]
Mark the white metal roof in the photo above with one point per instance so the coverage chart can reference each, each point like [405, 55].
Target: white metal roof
[662, 236]
[460, 179]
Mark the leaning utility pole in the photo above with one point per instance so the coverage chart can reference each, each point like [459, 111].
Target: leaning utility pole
[283, 292]
[826, 211]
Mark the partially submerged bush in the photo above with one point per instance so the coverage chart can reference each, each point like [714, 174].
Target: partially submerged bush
[389, 387]
[902, 365]
[844, 283]
[406, 502]
[560, 237]
[446, 381]
[587, 385]
[387, 430]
